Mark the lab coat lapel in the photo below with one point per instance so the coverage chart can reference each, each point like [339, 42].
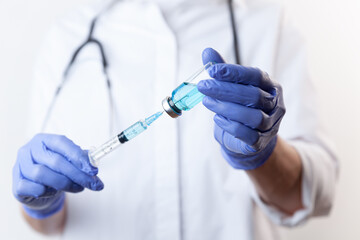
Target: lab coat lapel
[167, 175]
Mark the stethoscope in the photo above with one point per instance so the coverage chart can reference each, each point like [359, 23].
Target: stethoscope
[92, 40]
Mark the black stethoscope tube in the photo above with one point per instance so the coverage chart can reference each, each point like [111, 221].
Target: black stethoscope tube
[92, 40]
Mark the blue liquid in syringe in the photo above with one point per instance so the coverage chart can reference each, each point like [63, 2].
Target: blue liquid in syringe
[126, 135]
[138, 127]
[186, 96]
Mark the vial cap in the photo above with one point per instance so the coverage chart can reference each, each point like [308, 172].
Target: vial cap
[170, 108]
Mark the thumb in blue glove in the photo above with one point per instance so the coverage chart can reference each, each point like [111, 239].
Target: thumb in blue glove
[47, 167]
[249, 108]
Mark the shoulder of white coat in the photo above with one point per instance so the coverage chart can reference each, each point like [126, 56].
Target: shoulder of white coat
[270, 12]
[275, 16]
[261, 3]
[59, 43]
[64, 36]
[260, 24]
[264, 9]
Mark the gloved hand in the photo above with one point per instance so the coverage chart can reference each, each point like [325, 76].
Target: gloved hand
[48, 166]
[249, 108]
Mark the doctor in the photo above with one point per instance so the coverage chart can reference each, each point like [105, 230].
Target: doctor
[237, 171]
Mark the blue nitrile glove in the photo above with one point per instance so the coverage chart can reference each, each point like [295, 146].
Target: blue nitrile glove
[249, 108]
[48, 166]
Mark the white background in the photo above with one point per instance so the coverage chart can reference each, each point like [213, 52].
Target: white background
[332, 30]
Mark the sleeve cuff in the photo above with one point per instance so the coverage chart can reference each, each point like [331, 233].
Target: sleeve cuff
[48, 212]
[308, 194]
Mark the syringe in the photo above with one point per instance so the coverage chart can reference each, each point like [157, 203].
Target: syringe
[183, 98]
[126, 135]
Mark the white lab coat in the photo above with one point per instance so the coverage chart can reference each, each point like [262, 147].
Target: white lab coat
[172, 182]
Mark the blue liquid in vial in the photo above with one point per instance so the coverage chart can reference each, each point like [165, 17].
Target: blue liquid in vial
[186, 96]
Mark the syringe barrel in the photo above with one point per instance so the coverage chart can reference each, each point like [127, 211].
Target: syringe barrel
[98, 153]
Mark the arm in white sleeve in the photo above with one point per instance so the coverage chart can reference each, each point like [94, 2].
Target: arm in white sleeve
[302, 128]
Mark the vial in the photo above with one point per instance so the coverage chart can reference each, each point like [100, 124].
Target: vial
[186, 96]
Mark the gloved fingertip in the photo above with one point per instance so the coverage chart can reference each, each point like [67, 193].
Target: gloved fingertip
[77, 188]
[202, 86]
[212, 71]
[210, 101]
[99, 186]
[210, 55]
[217, 117]
[219, 120]
[96, 185]
[206, 101]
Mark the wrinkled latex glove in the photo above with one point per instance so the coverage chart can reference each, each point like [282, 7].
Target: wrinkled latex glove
[48, 166]
[249, 108]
